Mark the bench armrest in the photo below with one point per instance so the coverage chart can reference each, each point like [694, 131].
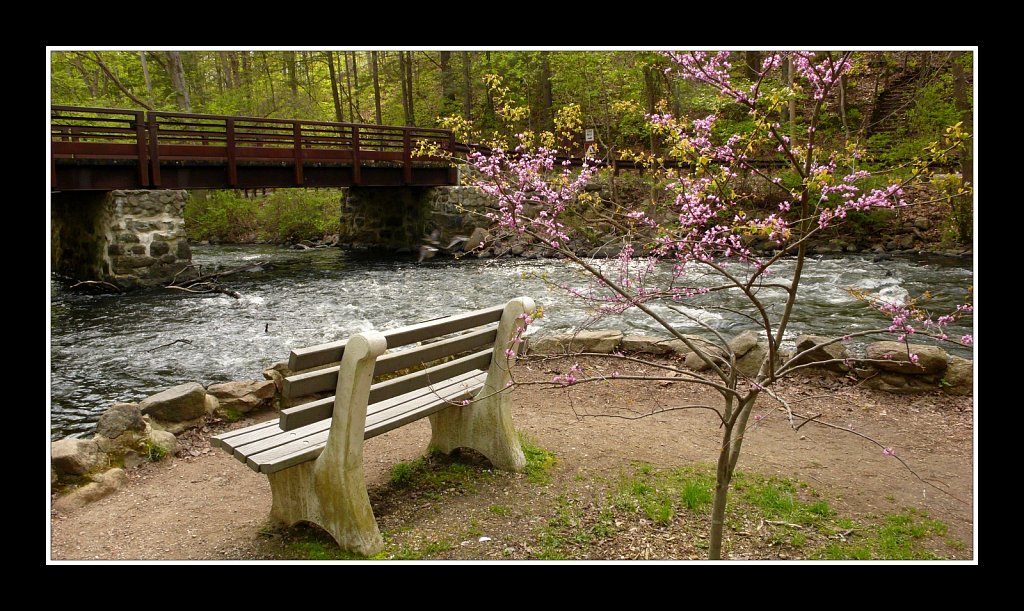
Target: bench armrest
[351, 397]
[498, 375]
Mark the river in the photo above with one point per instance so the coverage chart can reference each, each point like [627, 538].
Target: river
[107, 348]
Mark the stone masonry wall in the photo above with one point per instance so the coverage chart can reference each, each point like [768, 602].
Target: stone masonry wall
[146, 243]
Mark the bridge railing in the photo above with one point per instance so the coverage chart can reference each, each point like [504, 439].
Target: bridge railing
[152, 138]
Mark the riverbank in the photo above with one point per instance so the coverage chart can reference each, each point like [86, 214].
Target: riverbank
[203, 505]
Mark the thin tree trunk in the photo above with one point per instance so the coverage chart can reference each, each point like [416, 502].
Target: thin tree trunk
[467, 87]
[409, 76]
[548, 119]
[348, 86]
[177, 73]
[842, 108]
[90, 82]
[490, 94]
[722, 481]
[376, 87]
[145, 76]
[792, 101]
[358, 117]
[962, 105]
[334, 87]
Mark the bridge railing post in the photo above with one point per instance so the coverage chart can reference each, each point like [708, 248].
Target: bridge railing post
[297, 131]
[357, 170]
[229, 140]
[140, 144]
[407, 156]
[154, 150]
[453, 174]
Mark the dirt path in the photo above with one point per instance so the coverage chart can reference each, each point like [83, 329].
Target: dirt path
[211, 507]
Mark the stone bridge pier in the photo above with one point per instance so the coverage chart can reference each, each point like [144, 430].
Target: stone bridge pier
[131, 239]
[398, 218]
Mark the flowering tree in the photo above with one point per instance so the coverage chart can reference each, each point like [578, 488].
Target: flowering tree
[711, 224]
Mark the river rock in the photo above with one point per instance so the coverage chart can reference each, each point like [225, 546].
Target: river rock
[743, 343]
[176, 404]
[821, 353]
[959, 376]
[73, 456]
[243, 396]
[478, 237]
[102, 485]
[922, 223]
[602, 342]
[165, 440]
[646, 344]
[276, 373]
[892, 356]
[750, 363]
[119, 419]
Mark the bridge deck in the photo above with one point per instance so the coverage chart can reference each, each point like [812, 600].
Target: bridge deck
[105, 149]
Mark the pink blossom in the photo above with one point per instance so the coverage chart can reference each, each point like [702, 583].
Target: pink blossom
[888, 452]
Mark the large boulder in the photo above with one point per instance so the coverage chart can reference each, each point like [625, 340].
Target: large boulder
[176, 404]
[602, 342]
[892, 356]
[72, 456]
[102, 485]
[959, 378]
[243, 396]
[119, 419]
[819, 352]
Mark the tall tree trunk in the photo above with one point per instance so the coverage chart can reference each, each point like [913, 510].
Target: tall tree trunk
[842, 108]
[548, 118]
[792, 101]
[334, 87]
[358, 118]
[490, 94]
[145, 76]
[376, 88]
[232, 80]
[177, 73]
[447, 83]
[293, 80]
[401, 80]
[467, 87]
[246, 80]
[963, 105]
[348, 86]
[409, 76]
[651, 95]
[753, 63]
[270, 82]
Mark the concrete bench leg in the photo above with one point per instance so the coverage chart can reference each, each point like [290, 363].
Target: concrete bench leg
[331, 491]
[486, 424]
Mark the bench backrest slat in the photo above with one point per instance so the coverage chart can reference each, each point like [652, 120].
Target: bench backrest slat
[323, 380]
[294, 417]
[325, 354]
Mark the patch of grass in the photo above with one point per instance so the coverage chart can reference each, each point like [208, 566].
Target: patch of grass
[229, 414]
[153, 451]
[538, 461]
[431, 548]
[310, 543]
[500, 510]
[900, 536]
[697, 493]
[437, 472]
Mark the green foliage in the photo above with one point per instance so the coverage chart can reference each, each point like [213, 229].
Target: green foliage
[958, 225]
[280, 216]
[155, 452]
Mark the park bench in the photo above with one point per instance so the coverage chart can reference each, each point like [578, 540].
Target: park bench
[313, 454]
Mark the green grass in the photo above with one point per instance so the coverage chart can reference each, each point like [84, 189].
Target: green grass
[539, 461]
[785, 512]
[282, 215]
[500, 510]
[437, 472]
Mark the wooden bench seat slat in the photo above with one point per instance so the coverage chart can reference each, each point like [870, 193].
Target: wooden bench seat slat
[218, 440]
[301, 415]
[325, 354]
[322, 380]
[293, 447]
